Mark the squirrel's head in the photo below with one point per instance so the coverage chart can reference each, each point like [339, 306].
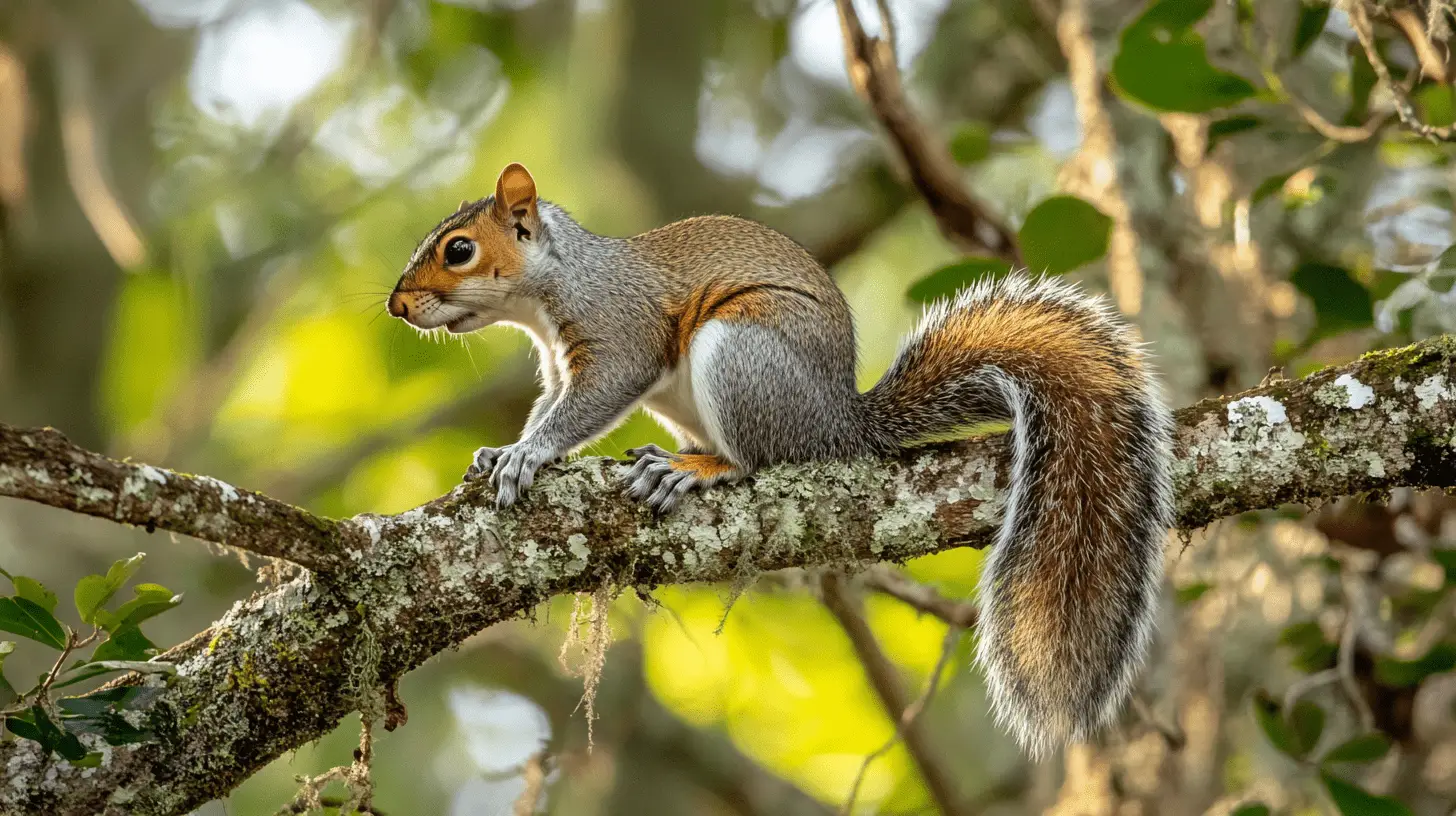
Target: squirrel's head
[464, 273]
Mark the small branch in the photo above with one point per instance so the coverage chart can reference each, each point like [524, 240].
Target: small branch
[1364, 31]
[886, 579]
[1433, 65]
[535, 776]
[1093, 173]
[882, 675]
[876, 77]
[86, 165]
[41, 465]
[952, 637]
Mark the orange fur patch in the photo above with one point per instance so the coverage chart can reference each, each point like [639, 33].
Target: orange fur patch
[705, 466]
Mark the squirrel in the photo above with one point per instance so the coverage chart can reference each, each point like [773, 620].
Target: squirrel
[743, 347]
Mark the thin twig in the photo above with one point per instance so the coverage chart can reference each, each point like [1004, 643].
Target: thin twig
[875, 76]
[1364, 31]
[1171, 733]
[947, 648]
[534, 773]
[839, 599]
[1433, 65]
[890, 581]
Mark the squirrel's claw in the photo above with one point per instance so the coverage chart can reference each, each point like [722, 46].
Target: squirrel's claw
[483, 463]
[654, 481]
[515, 471]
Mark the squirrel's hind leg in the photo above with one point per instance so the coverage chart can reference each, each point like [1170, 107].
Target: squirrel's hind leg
[661, 479]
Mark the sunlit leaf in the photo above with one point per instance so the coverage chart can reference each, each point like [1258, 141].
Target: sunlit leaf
[971, 143]
[1436, 103]
[94, 591]
[1354, 801]
[946, 281]
[151, 600]
[24, 617]
[1063, 233]
[91, 760]
[1364, 748]
[35, 592]
[1161, 62]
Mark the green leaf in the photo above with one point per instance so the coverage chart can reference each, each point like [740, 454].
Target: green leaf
[151, 600]
[1436, 103]
[1063, 233]
[971, 143]
[1340, 303]
[1162, 62]
[1271, 720]
[1308, 721]
[126, 643]
[1362, 82]
[946, 281]
[1312, 20]
[91, 760]
[1447, 560]
[94, 591]
[1269, 186]
[1312, 652]
[1251, 809]
[35, 592]
[24, 617]
[99, 713]
[1352, 801]
[8, 694]
[121, 698]
[1188, 594]
[35, 724]
[1407, 673]
[1221, 129]
[1364, 748]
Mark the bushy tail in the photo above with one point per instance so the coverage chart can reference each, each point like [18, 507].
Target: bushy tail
[1069, 593]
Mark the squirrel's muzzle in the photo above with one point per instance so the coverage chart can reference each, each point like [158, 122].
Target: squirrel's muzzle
[398, 306]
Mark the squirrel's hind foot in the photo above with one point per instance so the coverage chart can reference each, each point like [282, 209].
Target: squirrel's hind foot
[661, 479]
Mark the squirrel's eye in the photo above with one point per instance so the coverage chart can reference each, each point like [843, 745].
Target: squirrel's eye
[459, 251]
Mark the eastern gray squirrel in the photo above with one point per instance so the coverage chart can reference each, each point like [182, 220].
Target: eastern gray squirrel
[734, 338]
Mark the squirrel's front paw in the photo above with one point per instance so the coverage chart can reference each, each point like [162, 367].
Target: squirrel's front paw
[484, 462]
[515, 470]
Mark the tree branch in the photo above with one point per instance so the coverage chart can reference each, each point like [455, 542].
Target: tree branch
[43, 466]
[283, 668]
[875, 76]
[885, 679]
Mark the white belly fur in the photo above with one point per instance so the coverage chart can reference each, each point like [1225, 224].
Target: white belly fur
[682, 399]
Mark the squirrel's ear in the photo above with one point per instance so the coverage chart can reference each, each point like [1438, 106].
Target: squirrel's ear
[515, 192]
[464, 202]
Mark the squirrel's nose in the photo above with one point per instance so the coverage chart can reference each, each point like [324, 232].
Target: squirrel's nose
[397, 305]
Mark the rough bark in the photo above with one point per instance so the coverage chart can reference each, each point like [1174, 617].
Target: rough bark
[284, 667]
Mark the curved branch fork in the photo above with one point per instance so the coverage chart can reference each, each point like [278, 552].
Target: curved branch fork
[386, 593]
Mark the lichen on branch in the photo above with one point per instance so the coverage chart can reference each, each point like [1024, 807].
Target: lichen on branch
[280, 669]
